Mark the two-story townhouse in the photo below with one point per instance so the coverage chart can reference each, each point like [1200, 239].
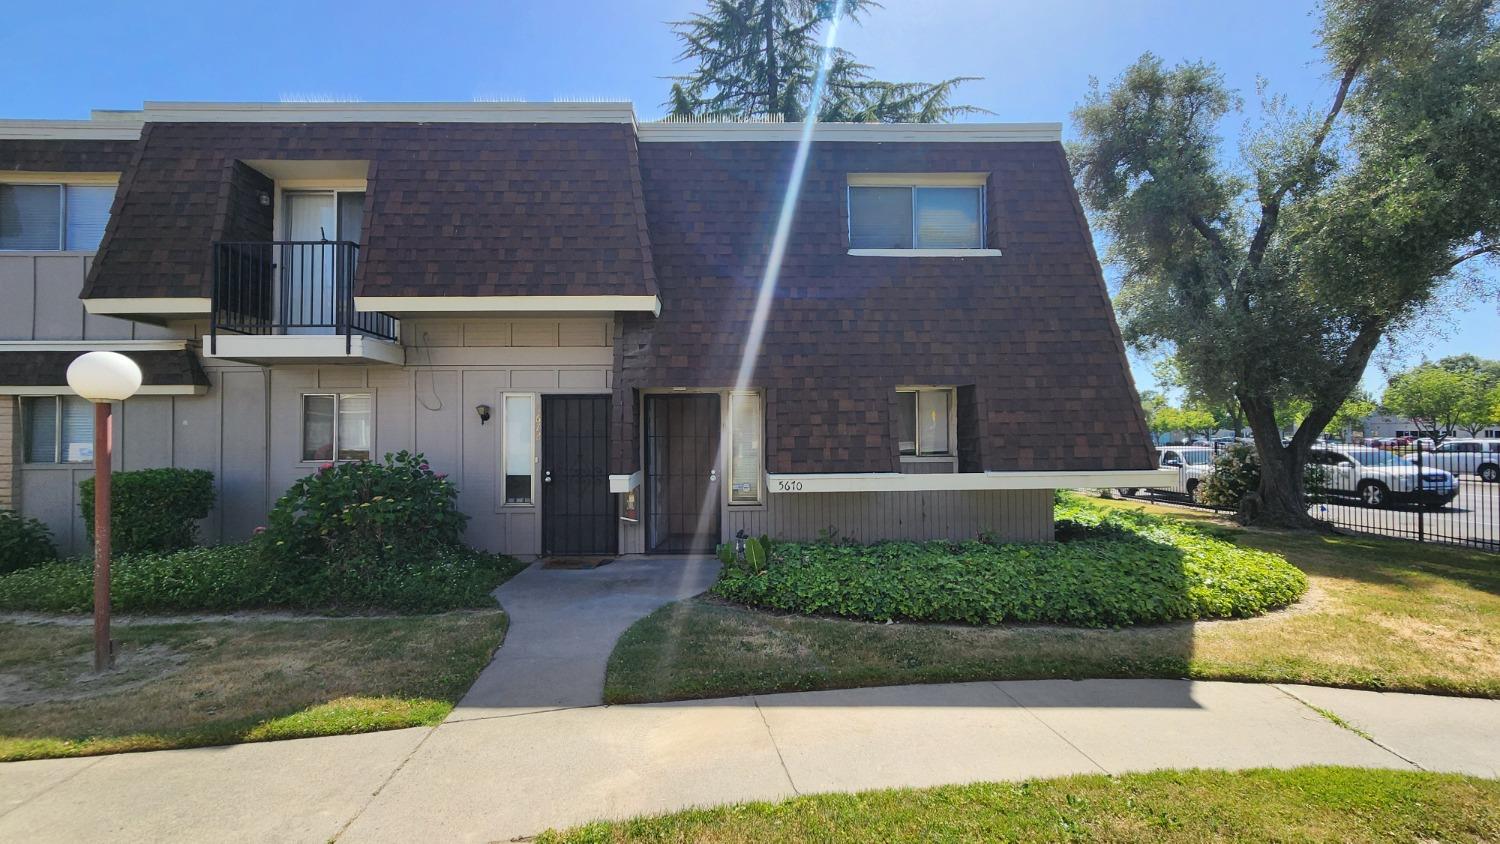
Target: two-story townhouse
[611, 334]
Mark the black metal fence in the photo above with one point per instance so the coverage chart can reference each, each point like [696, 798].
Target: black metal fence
[1448, 494]
[290, 287]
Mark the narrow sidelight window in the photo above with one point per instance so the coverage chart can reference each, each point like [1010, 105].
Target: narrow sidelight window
[747, 453]
[337, 426]
[923, 422]
[519, 451]
[58, 429]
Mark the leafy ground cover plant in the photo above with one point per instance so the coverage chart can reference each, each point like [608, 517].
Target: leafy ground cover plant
[1117, 568]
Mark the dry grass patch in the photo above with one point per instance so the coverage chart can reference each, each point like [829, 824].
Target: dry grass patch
[186, 684]
[1381, 614]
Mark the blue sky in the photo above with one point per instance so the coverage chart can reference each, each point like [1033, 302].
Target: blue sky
[1036, 60]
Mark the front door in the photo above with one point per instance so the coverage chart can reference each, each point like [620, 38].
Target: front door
[578, 511]
[682, 473]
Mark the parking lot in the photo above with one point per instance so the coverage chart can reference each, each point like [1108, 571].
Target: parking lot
[1473, 518]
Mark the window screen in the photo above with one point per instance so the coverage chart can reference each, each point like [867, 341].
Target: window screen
[748, 432]
[947, 218]
[880, 218]
[88, 211]
[520, 448]
[31, 217]
[354, 427]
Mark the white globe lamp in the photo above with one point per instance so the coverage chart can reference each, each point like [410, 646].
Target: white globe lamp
[103, 377]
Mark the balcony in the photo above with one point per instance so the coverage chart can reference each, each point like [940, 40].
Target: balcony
[292, 301]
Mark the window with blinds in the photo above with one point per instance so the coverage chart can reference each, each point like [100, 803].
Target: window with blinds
[57, 429]
[747, 452]
[48, 218]
[916, 217]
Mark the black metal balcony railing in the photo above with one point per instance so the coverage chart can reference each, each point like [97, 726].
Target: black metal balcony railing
[290, 287]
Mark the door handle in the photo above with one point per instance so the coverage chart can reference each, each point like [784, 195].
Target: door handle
[713, 474]
[547, 477]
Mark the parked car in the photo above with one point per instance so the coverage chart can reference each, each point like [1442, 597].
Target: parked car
[1381, 478]
[1476, 457]
[1192, 462]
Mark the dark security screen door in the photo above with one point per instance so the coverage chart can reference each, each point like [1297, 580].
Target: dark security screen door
[578, 511]
[682, 473]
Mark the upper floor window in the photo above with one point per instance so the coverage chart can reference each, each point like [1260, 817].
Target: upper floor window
[916, 216]
[925, 422]
[49, 218]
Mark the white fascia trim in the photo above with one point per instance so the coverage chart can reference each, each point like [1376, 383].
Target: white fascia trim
[508, 112]
[67, 130]
[185, 305]
[482, 304]
[872, 132]
[898, 482]
[624, 483]
[303, 347]
[93, 345]
[148, 390]
[925, 253]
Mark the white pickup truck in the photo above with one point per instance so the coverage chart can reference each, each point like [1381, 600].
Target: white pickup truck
[1477, 457]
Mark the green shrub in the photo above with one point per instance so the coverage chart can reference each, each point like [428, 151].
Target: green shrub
[1118, 569]
[152, 510]
[24, 542]
[350, 519]
[236, 577]
[1236, 474]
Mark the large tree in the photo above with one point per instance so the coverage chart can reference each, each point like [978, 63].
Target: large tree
[1274, 277]
[758, 59]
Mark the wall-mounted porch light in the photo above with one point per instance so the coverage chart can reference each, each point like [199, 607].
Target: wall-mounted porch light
[484, 412]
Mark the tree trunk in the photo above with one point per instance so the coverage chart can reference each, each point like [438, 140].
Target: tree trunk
[1281, 500]
[773, 83]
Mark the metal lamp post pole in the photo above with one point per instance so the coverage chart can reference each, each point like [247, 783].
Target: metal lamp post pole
[104, 656]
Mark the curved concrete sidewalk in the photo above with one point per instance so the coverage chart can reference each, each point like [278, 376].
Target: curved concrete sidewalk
[564, 624]
[500, 777]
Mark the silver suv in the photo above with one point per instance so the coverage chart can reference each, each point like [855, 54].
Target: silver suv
[1192, 462]
[1382, 478]
[1477, 457]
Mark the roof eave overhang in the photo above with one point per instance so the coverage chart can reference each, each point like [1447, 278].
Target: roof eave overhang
[899, 482]
[402, 306]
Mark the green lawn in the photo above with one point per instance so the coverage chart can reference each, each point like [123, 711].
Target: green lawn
[1306, 804]
[221, 682]
[1379, 614]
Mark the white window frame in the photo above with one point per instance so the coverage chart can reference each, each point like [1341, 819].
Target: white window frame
[337, 396]
[760, 473]
[912, 181]
[951, 394]
[503, 434]
[52, 180]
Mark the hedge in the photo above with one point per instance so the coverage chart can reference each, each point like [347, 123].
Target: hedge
[152, 510]
[237, 577]
[1115, 569]
[24, 542]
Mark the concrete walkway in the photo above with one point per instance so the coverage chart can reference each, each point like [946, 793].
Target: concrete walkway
[499, 777]
[564, 624]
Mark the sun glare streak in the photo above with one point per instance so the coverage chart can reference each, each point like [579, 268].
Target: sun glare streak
[769, 279]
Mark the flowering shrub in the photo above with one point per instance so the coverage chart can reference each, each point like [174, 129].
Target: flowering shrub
[351, 517]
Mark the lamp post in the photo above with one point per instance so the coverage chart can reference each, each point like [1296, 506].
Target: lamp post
[103, 377]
